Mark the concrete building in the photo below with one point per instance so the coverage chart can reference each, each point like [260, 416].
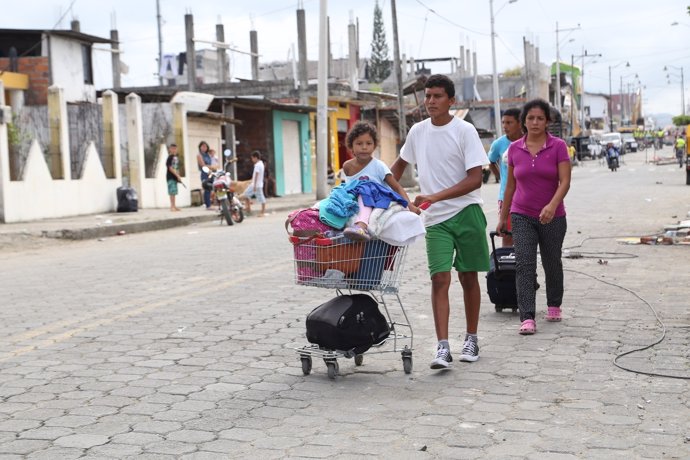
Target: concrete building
[62, 58]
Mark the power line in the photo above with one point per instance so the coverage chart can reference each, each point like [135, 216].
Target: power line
[432, 11]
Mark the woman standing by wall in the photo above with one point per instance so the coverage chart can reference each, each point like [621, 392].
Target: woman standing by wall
[204, 158]
[538, 180]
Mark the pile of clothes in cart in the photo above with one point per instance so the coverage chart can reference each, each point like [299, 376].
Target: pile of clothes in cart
[349, 239]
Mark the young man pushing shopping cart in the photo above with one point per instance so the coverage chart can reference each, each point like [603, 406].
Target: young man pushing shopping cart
[449, 158]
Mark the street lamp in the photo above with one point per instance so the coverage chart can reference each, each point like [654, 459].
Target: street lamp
[682, 85]
[496, 93]
[558, 67]
[627, 64]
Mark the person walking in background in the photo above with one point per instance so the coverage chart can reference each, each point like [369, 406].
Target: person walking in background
[172, 175]
[204, 158]
[680, 149]
[449, 156]
[498, 156]
[538, 179]
[256, 188]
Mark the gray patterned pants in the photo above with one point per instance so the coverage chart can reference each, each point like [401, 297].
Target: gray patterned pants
[527, 234]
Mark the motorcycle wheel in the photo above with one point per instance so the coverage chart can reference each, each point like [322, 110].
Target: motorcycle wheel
[225, 211]
[237, 214]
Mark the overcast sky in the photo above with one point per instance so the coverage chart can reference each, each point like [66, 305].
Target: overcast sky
[639, 32]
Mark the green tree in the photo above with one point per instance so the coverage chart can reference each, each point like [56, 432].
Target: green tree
[379, 65]
[681, 120]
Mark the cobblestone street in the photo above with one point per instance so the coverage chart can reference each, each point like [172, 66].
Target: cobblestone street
[179, 344]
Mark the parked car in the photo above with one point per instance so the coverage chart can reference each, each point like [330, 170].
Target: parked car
[614, 138]
[629, 142]
[583, 147]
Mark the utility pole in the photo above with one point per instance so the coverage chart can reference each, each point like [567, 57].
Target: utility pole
[402, 126]
[302, 50]
[159, 20]
[222, 53]
[610, 104]
[191, 53]
[115, 58]
[557, 97]
[497, 96]
[322, 151]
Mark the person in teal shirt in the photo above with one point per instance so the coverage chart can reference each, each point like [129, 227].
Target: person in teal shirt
[510, 122]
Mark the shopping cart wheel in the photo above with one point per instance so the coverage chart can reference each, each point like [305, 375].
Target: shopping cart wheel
[332, 369]
[407, 360]
[359, 359]
[306, 364]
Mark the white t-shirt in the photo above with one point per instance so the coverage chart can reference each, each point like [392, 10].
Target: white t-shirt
[258, 168]
[443, 155]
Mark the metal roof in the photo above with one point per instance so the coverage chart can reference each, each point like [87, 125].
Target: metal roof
[59, 32]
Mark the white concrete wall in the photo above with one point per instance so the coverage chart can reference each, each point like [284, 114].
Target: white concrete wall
[38, 196]
[67, 69]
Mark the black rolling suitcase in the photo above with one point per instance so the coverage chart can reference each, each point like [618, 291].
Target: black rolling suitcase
[500, 280]
[347, 323]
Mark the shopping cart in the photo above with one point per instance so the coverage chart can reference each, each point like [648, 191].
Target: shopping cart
[344, 265]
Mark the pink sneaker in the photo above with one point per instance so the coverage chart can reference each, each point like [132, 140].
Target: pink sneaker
[553, 314]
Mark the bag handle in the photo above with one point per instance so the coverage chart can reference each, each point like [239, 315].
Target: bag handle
[291, 217]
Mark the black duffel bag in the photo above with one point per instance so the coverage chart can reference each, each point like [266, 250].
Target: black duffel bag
[347, 323]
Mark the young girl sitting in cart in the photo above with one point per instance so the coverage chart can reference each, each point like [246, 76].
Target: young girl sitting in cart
[362, 141]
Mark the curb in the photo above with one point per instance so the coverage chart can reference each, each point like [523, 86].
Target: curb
[116, 229]
[95, 232]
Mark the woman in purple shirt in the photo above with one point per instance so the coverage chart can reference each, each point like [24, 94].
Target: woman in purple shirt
[538, 180]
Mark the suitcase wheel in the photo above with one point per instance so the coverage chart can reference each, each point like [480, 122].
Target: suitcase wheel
[306, 364]
[407, 360]
[359, 359]
[332, 369]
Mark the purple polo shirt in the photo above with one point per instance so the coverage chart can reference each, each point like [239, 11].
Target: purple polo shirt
[536, 178]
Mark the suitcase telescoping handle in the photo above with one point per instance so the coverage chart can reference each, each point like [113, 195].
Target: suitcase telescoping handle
[493, 235]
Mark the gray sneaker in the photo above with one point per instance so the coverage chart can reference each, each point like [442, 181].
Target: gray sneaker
[442, 360]
[470, 351]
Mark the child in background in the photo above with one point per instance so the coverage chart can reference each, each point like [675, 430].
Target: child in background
[362, 141]
[172, 175]
[256, 188]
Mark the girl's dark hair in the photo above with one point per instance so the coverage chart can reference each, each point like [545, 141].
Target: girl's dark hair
[441, 81]
[256, 154]
[535, 104]
[359, 128]
[204, 143]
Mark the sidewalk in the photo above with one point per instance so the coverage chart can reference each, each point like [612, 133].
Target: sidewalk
[114, 223]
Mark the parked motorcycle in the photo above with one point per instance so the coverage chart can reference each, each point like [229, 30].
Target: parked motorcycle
[231, 209]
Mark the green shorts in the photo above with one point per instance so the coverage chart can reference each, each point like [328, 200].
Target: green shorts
[459, 242]
[172, 187]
